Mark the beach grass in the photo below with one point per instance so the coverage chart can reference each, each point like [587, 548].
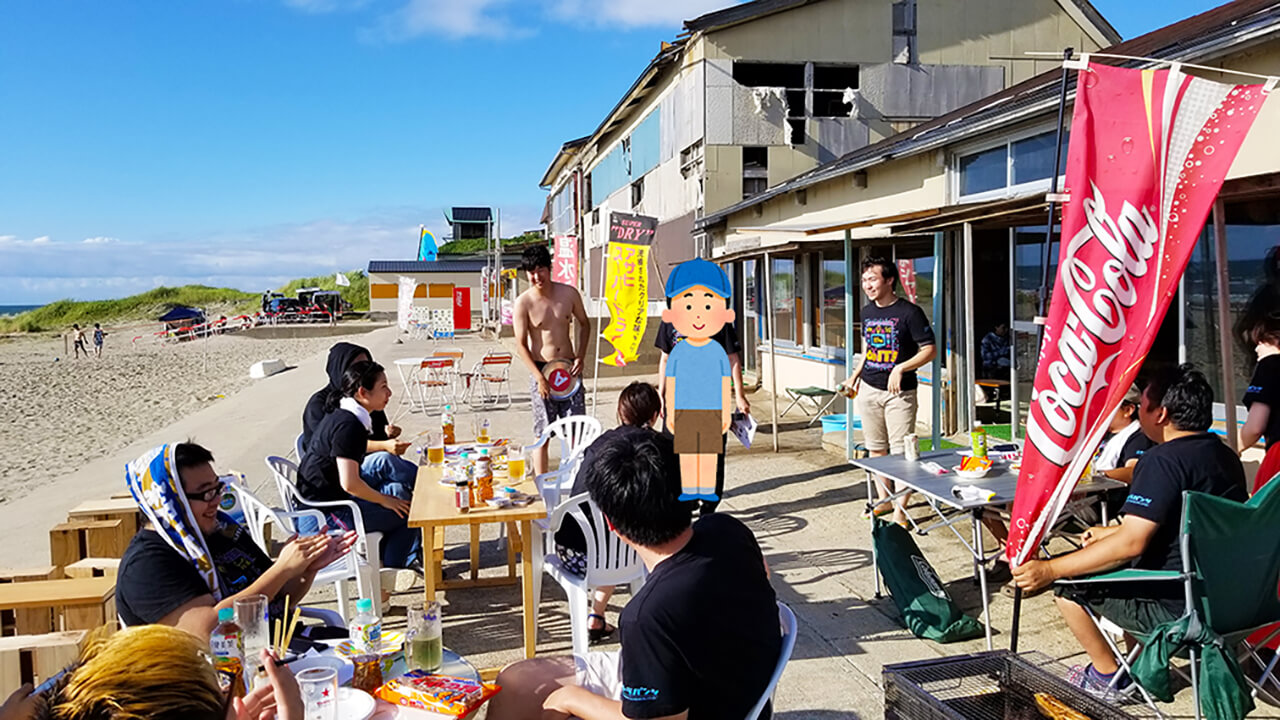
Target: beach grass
[61, 314]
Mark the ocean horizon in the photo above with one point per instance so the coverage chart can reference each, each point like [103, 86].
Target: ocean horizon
[17, 309]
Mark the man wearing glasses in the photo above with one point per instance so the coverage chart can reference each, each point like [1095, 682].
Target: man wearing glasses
[158, 583]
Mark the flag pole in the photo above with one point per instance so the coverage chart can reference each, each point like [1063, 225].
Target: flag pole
[1045, 254]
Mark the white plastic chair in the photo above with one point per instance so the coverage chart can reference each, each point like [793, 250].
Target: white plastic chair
[610, 561]
[575, 432]
[788, 620]
[363, 564]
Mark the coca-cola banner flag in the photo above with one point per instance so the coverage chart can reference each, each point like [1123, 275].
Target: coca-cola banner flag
[1149, 150]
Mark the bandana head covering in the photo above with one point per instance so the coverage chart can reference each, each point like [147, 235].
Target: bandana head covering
[153, 481]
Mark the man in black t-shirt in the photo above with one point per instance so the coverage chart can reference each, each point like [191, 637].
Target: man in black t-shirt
[896, 341]
[699, 640]
[1176, 413]
[665, 341]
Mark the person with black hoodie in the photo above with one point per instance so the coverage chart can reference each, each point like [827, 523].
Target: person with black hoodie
[382, 468]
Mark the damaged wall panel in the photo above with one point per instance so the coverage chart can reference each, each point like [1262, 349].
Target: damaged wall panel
[922, 91]
[682, 114]
[758, 116]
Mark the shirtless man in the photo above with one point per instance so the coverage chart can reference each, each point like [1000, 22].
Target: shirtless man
[542, 316]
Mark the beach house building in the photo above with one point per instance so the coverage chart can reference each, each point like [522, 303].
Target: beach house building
[959, 203]
[751, 96]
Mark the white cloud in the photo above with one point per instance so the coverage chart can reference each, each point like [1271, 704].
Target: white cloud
[634, 13]
[458, 19]
[100, 240]
[251, 260]
[451, 18]
[43, 239]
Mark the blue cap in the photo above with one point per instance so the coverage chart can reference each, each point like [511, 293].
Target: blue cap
[698, 272]
[226, 614]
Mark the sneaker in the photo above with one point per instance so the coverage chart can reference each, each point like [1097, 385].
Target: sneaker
[1096, 684]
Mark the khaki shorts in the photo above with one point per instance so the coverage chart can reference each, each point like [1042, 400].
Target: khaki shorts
[886, 418]
[698, 432]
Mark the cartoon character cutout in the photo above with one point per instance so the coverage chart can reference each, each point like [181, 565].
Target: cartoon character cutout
[698, 403]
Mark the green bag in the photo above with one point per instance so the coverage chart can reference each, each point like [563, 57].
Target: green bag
[927, 610]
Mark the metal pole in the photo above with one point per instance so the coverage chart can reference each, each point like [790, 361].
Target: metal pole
[940, 325]
[604, 263]
[1044, 283]
[1224, 322]
[773, 344]
[967, 328]
[850, 337]
[1014, 409]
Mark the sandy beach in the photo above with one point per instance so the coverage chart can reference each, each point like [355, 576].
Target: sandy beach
[62, 413]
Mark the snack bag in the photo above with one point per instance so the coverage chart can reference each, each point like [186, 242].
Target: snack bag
[442, 694]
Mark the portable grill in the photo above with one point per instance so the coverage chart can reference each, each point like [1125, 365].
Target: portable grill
[995, 685]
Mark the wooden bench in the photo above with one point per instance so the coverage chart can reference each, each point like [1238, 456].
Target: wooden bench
[35, 658]
[123, 509]
[74, 604]
[93, 567]
[73, 541]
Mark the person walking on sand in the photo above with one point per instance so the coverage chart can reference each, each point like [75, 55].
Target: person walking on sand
[542, 317]
[98, 336]
[77, 341]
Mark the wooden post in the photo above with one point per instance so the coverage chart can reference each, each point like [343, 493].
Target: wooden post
[1225, 340]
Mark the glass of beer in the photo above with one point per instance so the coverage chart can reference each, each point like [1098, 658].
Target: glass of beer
[482, 430]
[435, 449]
[515, 463]
[426, 647]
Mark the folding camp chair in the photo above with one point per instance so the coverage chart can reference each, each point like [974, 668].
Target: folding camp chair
[1230, 574]
[491, 375]
[815, 397]
[435, 382]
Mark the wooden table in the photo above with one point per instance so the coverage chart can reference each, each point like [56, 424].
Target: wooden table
[77, 604]
[125, 509]
[433, 507]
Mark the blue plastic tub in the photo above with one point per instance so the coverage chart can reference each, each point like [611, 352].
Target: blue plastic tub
[836, 423]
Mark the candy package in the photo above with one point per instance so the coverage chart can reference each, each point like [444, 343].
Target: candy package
[446, 696]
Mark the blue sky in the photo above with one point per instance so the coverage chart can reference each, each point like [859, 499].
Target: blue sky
[247, 142]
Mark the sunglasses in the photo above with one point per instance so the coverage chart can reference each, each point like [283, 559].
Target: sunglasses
[210, 494]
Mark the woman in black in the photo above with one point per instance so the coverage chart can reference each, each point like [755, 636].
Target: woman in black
[1262, 398]
[331, 468]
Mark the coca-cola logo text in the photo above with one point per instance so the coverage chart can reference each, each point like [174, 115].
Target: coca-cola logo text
[1089, 339]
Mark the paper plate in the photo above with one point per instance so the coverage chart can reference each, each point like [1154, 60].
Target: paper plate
[562, 381]
[355, 704]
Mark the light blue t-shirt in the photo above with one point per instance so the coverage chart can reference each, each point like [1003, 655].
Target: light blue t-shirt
[699, 374]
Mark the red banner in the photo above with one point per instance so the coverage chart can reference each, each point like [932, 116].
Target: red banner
[907, 277]
[1149, 151]
[564, 263]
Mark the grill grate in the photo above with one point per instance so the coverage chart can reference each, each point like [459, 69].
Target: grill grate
[995, 685]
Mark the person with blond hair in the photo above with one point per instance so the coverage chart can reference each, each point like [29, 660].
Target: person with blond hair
[152, 672]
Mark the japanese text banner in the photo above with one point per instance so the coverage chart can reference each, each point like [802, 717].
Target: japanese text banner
[1149, 150]
[626, 281]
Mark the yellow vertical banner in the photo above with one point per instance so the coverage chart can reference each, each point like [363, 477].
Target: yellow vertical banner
[626, 290]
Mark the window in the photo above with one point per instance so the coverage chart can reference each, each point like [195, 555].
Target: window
[796, 134]
[831, 311]
[756, 74]
[637, 193]
[1013, 167]
[904, 32]
[755, 171]
[786, 294]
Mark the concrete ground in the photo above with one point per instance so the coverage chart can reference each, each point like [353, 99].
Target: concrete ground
[803, 503]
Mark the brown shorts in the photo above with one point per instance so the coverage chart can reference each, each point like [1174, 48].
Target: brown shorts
[698, 432]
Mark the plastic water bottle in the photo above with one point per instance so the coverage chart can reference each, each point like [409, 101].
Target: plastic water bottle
[227, 644]
[366, 628]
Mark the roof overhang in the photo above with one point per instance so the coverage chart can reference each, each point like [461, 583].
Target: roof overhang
[562, 158]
